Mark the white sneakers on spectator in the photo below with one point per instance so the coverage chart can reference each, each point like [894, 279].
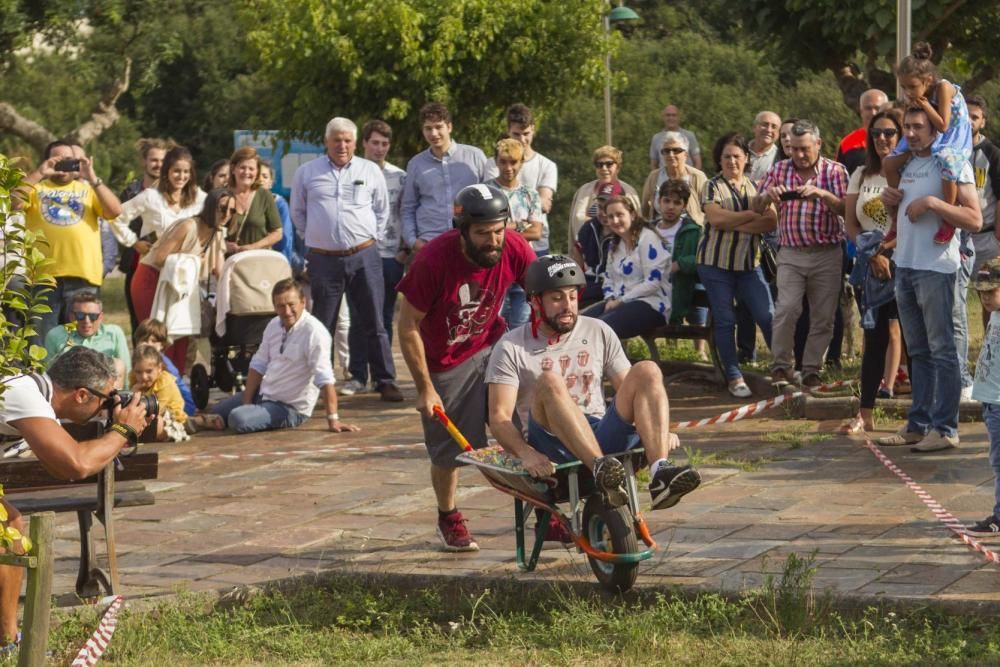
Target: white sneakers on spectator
[900, 438]
[740, 389]
[967, 393]
[351, 387]
[935, 442]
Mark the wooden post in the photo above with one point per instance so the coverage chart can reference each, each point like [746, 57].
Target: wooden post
[38, 598]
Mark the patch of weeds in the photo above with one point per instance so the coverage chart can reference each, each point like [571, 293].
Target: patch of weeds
[787, 606]
[796, 436]
[879, 415]
[698, 458]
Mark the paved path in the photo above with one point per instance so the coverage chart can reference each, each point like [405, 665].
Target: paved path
[362, 503]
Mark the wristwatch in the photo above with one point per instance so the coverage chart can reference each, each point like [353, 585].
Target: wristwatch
[98, 183]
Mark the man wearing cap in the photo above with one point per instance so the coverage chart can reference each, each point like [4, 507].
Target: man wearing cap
[550, 373]
[448, 321]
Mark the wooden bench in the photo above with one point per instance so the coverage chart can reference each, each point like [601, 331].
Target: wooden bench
[31, 489]
[689, 332]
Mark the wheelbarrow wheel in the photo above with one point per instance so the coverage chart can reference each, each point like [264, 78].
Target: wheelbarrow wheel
[610, 530]
[199, 386]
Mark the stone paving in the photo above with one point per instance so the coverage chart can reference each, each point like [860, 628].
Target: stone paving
[367, 508]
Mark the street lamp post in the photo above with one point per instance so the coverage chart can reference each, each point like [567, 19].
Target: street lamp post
[617, 15]
[903, 31]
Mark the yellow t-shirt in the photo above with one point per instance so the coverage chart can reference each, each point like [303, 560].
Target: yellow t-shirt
[167, 395]
[68, 216]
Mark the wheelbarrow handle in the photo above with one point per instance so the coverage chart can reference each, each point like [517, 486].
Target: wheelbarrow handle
[451, 428]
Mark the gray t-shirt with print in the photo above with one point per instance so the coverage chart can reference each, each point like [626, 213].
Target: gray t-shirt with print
[583, 357]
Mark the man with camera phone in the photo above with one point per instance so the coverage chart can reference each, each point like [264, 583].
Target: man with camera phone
[77, 386]
[808, 190]
[66, 198]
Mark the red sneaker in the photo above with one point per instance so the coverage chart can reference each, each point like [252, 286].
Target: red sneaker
[945, 234]
[454, 535]
[556, 532]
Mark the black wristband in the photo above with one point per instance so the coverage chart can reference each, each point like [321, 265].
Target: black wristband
[127, 432]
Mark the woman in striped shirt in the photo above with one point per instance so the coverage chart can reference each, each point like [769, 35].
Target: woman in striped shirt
[729, 251]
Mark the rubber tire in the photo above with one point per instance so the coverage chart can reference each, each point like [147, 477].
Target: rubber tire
[200, 384]
[610, 530]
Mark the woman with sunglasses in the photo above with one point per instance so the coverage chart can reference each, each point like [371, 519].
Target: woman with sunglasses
[675, 168]
[864, 212]
[607, 163]
[200, 236]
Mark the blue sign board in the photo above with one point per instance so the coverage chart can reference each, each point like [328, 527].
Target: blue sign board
[285, 156]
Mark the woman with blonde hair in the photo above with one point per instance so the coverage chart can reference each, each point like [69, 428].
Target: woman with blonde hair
[607, 163]
[257, 223]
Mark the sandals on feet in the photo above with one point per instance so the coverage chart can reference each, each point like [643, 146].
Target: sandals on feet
[208, 421]
[853, 426]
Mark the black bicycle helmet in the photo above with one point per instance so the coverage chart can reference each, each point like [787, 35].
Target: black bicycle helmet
[480, 203]
[552, 272]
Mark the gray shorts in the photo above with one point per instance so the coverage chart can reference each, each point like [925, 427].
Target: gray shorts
[463, 391]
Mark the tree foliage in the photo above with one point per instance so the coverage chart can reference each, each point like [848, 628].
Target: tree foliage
[362, 59]
[856, 39]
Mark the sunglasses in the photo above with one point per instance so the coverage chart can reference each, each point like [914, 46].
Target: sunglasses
[80, 317]
[227, 210]
[605, 164]
[672, 151]
[887, 132]
[96, 393]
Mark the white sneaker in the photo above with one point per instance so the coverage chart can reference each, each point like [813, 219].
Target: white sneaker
[740, 390]
[966, 394]
[350, 388]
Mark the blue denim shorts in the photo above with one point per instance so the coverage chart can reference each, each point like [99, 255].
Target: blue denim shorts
[613, 434]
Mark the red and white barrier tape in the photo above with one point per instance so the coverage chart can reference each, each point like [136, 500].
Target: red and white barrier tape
[944, 516]
[187, 458]
[98, 642]
[752, 408]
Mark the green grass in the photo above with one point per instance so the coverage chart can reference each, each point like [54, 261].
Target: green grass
[696, 457]
[113, 298]
[795, 436]
[345, 622]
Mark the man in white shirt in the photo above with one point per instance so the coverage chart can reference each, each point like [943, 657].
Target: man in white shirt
[537, 171]
[289, 371]
[76, 387]
[764, 146]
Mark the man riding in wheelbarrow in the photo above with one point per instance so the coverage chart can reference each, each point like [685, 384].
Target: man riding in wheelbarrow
[550, 372]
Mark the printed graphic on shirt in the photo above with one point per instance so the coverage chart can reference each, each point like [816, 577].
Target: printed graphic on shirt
[875, 209]
[578, 376]
[470, 317]
[61, 207]
[985, 373]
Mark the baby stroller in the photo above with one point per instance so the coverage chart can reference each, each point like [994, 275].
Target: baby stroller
[243, 309]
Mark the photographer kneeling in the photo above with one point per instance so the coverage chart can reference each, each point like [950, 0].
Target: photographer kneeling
[76, 387]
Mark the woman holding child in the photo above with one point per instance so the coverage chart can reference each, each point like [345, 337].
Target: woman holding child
[201, 236]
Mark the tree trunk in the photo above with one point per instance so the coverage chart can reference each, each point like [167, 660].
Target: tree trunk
[104, 116]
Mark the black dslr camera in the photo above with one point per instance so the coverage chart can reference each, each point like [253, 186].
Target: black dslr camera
[125, 397]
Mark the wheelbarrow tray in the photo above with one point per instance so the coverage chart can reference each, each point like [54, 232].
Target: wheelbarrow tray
[571, 482]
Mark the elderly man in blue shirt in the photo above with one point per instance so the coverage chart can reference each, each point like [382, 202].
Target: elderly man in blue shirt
[435, 176]
[340, 207]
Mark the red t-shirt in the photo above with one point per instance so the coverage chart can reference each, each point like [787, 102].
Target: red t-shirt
[461, 300]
